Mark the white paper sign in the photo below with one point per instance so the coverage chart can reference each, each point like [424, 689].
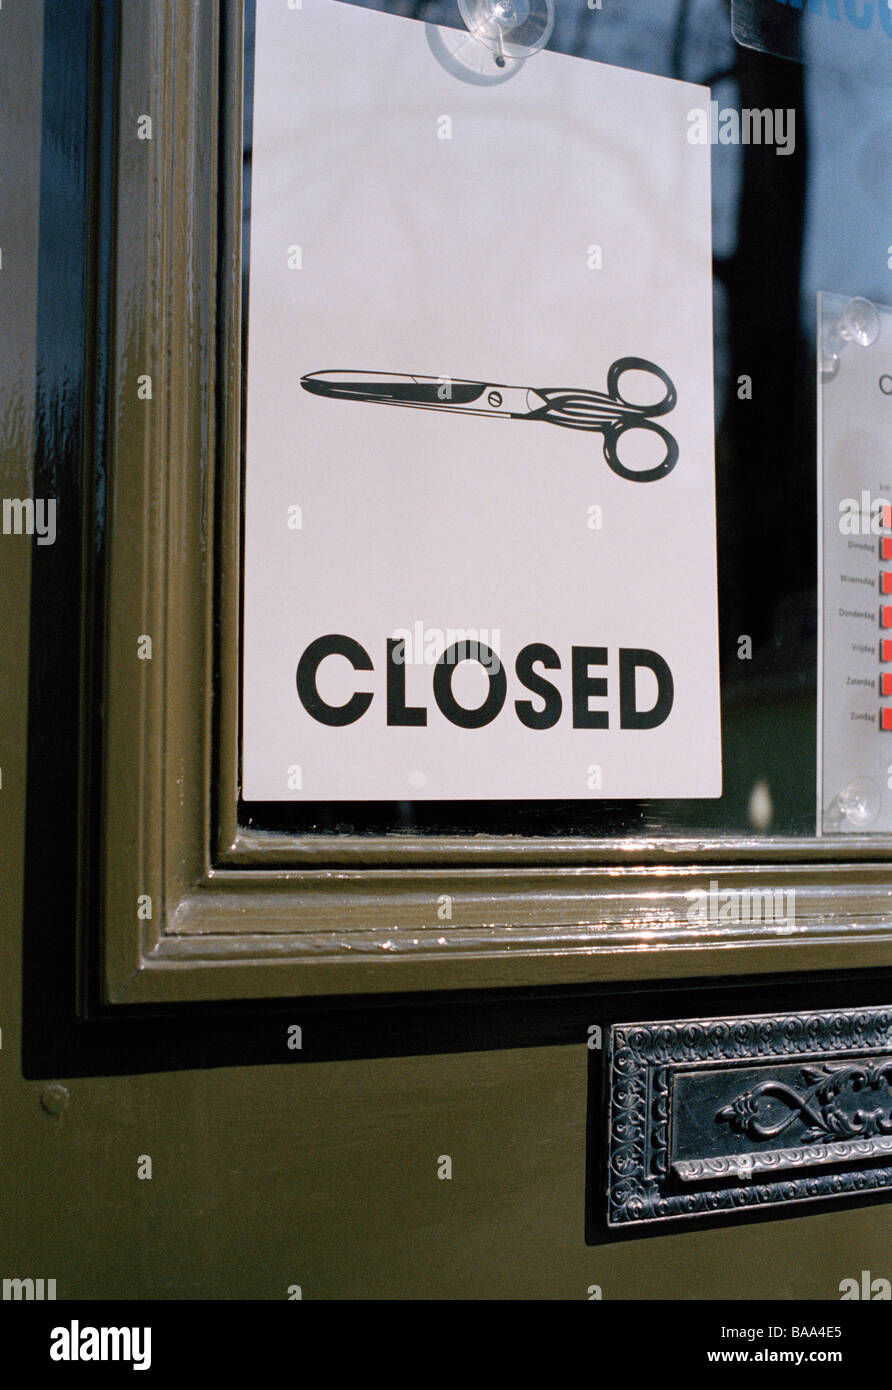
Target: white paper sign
[446, 281]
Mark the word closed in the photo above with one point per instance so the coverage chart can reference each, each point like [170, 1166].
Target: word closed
[542, 712]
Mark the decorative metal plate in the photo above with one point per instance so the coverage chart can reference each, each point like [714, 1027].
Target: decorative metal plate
[713, 1115]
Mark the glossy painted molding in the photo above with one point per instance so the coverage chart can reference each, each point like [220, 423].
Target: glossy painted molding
[193, 906]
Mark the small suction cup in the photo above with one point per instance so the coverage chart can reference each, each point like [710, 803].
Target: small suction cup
[512, 29]
[857, 805]
[858, 323]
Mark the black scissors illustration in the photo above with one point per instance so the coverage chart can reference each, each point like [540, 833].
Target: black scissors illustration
[608, 413]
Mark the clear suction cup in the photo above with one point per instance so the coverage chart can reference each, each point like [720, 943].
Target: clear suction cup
[857, 805]
[858, 323]
[512, 29]
[461, 55]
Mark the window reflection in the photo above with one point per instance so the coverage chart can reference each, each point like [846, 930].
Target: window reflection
[784, 227]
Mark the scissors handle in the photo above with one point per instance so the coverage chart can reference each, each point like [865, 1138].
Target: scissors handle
[641, 364]
[635, 416]
[612, 430]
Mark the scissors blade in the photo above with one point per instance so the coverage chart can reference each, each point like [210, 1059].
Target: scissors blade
[428, 393]
[390, 388]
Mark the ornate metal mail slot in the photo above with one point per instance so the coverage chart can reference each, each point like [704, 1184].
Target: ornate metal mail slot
[713, 1115]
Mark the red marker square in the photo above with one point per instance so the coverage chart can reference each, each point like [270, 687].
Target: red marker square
[886, 582]
[886, 649]
[886, 683]
[886, 548]
[886, 615]
[886, 514]
[886, 717]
